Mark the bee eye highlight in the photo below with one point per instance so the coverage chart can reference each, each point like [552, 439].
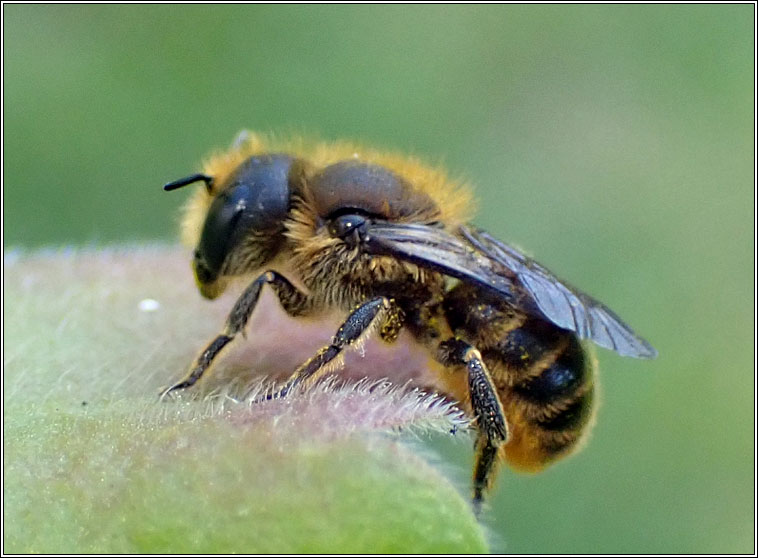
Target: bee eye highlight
[348, 227]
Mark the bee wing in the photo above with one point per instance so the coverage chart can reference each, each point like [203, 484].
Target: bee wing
[477, 257]
[434, 248]
[559, 302]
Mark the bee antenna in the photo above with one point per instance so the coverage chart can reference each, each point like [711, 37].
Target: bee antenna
[189, 180]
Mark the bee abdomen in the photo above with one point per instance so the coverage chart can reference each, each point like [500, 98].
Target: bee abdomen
[560, 377]
[543, 377]
[548, 389]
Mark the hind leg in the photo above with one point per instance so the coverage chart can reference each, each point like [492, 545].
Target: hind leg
[492, 431]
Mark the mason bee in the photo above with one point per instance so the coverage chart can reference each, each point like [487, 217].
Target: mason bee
[384, 239]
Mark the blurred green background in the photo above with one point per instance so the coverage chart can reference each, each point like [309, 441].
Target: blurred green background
[615, 143]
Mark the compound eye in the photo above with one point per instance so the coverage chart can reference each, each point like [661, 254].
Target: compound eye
[255, 199]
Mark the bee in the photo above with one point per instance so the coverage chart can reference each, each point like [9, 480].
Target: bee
[385, 240]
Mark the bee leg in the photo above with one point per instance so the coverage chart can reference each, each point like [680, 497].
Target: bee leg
[293, 301]
[378, 312]
[492, 430]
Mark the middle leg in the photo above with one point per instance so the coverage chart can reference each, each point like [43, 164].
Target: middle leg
[377, 313]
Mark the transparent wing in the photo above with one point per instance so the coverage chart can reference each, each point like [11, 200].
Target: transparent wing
[473, 255]
[561, 303]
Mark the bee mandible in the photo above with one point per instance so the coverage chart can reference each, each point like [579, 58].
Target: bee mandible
[384, 239]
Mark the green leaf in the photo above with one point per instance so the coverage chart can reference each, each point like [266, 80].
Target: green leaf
[94, 462]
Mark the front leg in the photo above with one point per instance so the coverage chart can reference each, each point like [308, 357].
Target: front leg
[294, 302]
[492, 431]
[377, 313]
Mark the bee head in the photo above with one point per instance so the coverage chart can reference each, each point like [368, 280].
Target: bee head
[244, 223]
